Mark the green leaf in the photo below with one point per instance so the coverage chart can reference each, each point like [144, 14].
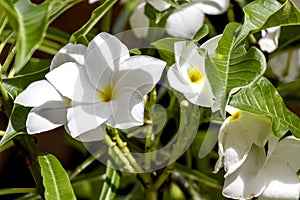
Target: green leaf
[98, 13]
[202, 32]
[32, 25]
[17, 84]
[262, 98]
[165, 48]
[55, 179]
[16, 124]
[262, 14]
[289, 36]
[10, 12]
[228, 69]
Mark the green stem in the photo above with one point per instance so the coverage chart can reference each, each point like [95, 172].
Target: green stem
[151, 193]
[8, 60]
[87, 162]
[125, 149]
[112, 182]
[163, 177]
[119, 153]
[106, 21]
[17, 190]
[5, 100]
[25, 143]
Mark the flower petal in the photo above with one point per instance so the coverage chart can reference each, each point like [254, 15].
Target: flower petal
[211, 44]
[269, 40]
[214, 7]
[70, 79]
[283, 180]
[178, 83]
[93, 135]
[159, 4]
[247, 181]
[140, 71]
[234, 145]
[203, 97]
[139, 22]
[69, 53]
[84, 118]
[177, 25]
[39, 93]
[104, 53]
[45, 119]
[289, 148]
[128, 110]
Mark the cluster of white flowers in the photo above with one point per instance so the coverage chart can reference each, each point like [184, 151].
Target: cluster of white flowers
[90, 87]
[257, 163]
[192, 12]
[285, 64]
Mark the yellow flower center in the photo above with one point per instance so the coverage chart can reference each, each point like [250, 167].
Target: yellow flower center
[106, 95]
[195, 75]
[236, 115]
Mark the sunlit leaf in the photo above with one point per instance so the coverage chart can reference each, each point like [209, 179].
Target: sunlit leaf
[17, 84]
[262, 14]
[8, 8]
[98, 13]
[165, 48]
[32, 25]
[228, 69]
[202, 32]
[55, 179]
[262, 98]
[16, 124]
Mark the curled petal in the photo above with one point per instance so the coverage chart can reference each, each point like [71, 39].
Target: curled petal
[45, 119]
[289, 148]
[234, 145]
[39, 93]
[177, 25]
[247, 181]
[283, 182]
[214, 7]
[139, 22]
[69, 53]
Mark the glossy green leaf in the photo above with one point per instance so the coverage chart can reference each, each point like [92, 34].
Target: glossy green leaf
[98, 13]
[17, 84]
[16, 124]
[262, 98]
[8, 8]
[228, 69]
[289, 36]
[165, 48]
[262, 14]
[202, 32]
[55, 179]
[60, 7]
[32, 25]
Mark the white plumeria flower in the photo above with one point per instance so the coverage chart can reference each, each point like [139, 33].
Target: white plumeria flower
[183, 22]
[49, 106]
[93, 1]
[250, 171]
[237, 135]
[108, 89]
[269, 39]
[267, 175]
[188, 74]
[286, 64]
